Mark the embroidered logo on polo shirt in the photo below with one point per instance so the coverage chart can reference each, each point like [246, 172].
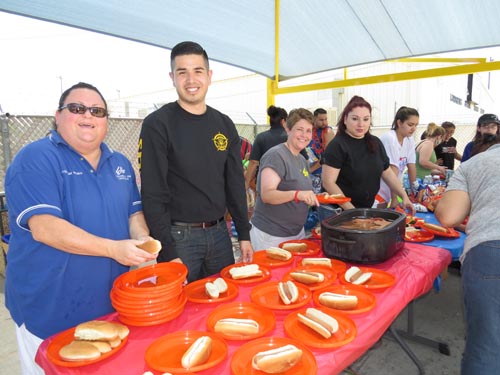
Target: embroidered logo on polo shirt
[220, 142]
[120, 173]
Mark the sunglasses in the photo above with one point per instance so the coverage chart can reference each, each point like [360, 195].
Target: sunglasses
[80, 109]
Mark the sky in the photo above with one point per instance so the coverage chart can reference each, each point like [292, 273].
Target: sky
[37, 58]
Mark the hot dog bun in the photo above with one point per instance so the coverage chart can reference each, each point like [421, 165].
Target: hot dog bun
[278, 253]
[211, 290]
[320, 322]
[215, 288]
[295, 247]
[288, 291]
[151, 246]
[242, 272]
[233, 326]
[326, 262]
[277, 360]
[221, 284]
[355, 276]
[307, 277]
[198, 353]
[338, 301]
[437, 228]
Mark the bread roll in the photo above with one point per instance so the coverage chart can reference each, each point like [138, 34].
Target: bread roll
[278, 253]
[355, 276]
[198, 353]
[96, 330]
[221, 284]
[288, 292]
[307, 277]
[295, 247]
[315, 326]
[102, 346]
[338, 301]
[151, 246]
[234, 326]
[211, 290]
[277, 360]
[123, 330]
[242, 272]
[79, 351]
[325, 262]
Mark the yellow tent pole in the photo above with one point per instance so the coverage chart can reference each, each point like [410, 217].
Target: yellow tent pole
[393, 77]
[272, 85]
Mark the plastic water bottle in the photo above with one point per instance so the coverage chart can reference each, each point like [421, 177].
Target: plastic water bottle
[406, 182]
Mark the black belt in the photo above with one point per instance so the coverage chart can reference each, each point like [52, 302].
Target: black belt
[205, 224]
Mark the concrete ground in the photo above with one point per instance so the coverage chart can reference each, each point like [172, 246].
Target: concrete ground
[437, 316]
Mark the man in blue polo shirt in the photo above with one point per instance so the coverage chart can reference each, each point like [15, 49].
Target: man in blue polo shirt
[73, 207]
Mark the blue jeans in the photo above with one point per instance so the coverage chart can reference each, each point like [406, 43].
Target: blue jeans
[203, 251]
[481, 286]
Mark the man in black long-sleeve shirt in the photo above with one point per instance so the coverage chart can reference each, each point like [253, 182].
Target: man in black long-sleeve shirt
[191, 172]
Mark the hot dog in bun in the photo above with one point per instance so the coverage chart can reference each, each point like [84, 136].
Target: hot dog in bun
[198, 353]
[242, 272]
[434, 227]
[307, 277]
[338, 301]
[355, 276]
[277, 360]
[326, 262]
[320, 322]
[295, 247]
[233, 326]
[278, 253]
[288, 291]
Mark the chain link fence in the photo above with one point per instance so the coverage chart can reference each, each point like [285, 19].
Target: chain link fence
[123, 136]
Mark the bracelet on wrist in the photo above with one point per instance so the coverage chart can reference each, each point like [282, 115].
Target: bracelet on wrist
[296, 196]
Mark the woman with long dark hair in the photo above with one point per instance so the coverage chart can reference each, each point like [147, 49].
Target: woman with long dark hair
[355, 160]
[487, 134]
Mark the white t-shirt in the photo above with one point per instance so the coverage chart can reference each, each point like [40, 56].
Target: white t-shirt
[399, 155]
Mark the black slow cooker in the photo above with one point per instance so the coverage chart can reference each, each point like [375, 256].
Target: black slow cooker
[363, 246]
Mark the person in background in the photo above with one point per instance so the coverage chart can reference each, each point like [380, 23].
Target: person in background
[487, 133]
[284, 187]
[191, 173]
[355, 160]
[446, 151]
[473, 192]
[76, 220]
[264, 141]
[426, 156]
[322, 135]
[400, 148]
[430, 126]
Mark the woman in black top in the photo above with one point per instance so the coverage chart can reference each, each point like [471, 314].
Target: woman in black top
[355, 160]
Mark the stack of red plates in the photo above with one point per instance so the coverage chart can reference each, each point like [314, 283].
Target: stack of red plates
[150, 295]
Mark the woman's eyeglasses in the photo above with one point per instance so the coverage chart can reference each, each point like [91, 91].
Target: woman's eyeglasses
[80, 109]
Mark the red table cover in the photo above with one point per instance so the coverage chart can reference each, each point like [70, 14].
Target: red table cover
[415, 269]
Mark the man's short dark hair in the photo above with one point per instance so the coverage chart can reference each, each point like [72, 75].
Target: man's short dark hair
[187, 48]
[319, 111]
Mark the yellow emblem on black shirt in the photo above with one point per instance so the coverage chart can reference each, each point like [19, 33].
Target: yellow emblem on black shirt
[305, 172]
[220, 142]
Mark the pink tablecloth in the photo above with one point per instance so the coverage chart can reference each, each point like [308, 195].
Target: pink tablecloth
[415, 268]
